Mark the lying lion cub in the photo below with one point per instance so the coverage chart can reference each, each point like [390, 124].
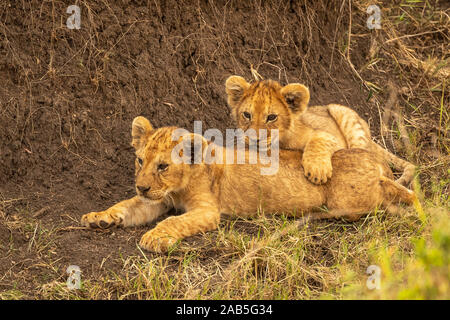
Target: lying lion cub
[359, 184]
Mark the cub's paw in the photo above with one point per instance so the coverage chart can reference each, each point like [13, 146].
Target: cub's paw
[157, 241]
[102, 219]
[318, 171]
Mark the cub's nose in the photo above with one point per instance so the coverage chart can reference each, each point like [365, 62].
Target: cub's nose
[143, 189]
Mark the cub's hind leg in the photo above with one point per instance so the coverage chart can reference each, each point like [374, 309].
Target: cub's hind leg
[408, 168]
[394, 194]
[387, 195]
[354, 129]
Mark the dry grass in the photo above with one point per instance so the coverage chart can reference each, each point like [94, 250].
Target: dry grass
[326, 260]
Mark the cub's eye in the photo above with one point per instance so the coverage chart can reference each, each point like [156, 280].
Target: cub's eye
[140, 161]
[162, 167]
[247, 115]
[271, 117]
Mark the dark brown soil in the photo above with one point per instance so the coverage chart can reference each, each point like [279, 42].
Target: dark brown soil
[67, 99]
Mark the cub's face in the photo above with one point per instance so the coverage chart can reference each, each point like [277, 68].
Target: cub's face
[156, 173]
[265, 104]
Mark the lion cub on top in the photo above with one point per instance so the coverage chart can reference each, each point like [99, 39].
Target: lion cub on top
[318, 131]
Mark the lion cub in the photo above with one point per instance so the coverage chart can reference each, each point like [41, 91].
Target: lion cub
[318, 131]
[204, 189]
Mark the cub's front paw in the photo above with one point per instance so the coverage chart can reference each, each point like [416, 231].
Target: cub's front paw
[157, 241]
[318, 171]
[103, 220]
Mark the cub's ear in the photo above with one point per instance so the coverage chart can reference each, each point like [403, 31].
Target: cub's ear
[296, 96]
[235, 87]
[140, 130]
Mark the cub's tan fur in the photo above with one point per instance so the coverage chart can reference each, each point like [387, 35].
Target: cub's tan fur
[204, 191]
[319, 131]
